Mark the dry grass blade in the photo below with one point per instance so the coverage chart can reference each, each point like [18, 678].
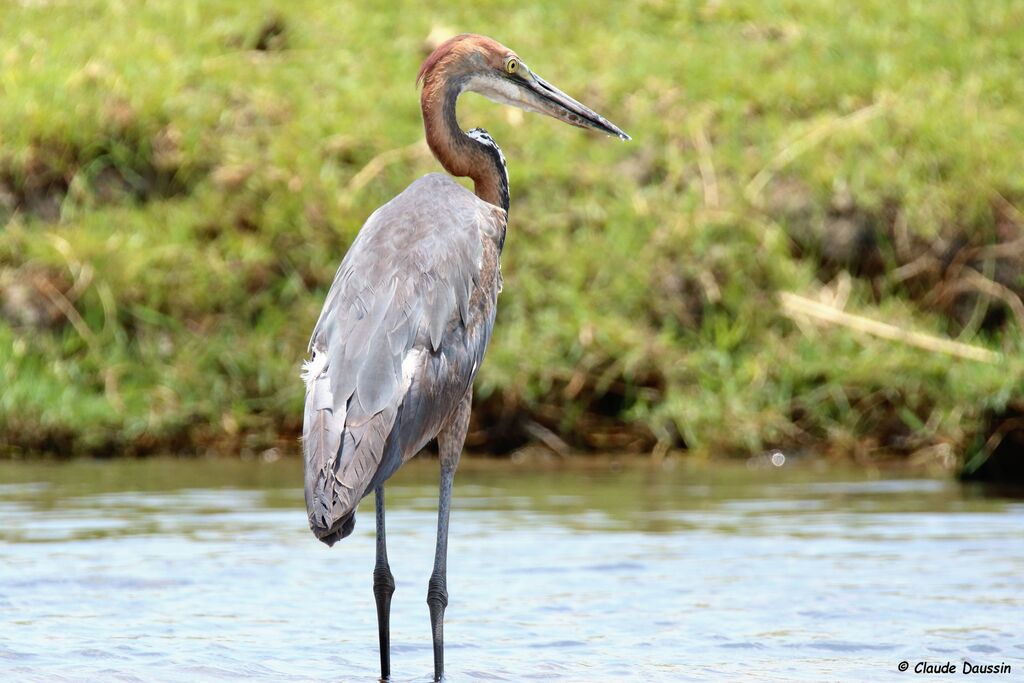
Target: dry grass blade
[804, 143]
[68, 310]
[918, 266]
[1004, 429]
[796, 307]
[547, 437]
[706, 164]
[1008, 250]
[376, 165]
[972, 279]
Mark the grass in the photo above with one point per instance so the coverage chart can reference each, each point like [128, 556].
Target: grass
[177, 188]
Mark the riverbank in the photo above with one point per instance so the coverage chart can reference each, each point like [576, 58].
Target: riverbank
[178, 184]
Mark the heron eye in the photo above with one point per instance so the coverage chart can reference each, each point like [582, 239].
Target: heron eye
[512, 65]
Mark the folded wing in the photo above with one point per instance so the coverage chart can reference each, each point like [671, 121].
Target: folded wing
[398, 342]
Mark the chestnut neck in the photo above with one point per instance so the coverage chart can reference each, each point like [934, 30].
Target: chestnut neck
[478, 158]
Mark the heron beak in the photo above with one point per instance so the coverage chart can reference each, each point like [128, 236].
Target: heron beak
[547, 99]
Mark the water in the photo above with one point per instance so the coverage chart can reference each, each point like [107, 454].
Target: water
[170, 570]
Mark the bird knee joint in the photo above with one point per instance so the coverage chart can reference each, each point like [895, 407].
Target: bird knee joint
[437, 593]
[383, 581]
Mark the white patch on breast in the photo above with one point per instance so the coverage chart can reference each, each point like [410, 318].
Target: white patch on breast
[313, 368]
[410, 366]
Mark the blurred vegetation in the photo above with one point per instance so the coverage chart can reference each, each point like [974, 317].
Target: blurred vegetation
[179, 180]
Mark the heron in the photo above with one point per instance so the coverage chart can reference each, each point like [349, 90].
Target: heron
[407, 320]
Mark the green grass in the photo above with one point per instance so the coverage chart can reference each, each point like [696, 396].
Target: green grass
[192, 196]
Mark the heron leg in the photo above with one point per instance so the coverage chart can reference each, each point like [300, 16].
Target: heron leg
[383, 588]
[450, 441]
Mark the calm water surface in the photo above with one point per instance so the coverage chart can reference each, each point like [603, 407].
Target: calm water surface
[170, 570]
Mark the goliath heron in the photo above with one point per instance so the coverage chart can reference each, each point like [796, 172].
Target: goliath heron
[405, 325]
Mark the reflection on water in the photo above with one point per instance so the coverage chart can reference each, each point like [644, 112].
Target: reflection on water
[205, 570]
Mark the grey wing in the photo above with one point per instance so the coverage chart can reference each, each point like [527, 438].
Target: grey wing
[399, 340]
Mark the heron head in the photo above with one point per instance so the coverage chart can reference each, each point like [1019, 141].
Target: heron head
[482, 65]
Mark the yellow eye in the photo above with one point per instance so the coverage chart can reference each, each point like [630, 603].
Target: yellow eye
[511, 65]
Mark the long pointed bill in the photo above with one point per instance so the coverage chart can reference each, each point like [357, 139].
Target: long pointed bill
[547, 99]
